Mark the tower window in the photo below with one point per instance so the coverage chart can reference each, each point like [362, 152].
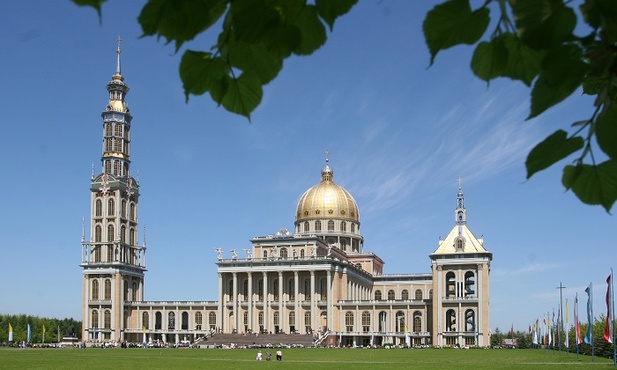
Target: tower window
[317, 225]
[330, 225]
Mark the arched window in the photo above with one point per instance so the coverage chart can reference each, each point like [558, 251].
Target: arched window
[95, 290]
[158, 320]
[349, 321]
[302, 253]
[405, 295]
[366, 321]
[391, 295]
[132, 211]
[353, 227]
[171, 321]
[145, 320]
[450, 285]
[107, 319]
[132, 239]
[418, 295]
[110, 253]
[260, 320]
[98, 232]
[451, 320]
[134, 291]
[343, 226]
[276, 318]
[417, 322]
[111, 207]
[198, 320]
[330, 225]
[284, 253]
[306, 227]
[264, 254]
[185, 321]
[317, 225]
[470, 284]
[212, 320]
[400, 321]
[470, 320]
[378, 295]
[98, 208]
[110, 233]
[94, 320]
[107, 290]
[123, 233]
[123, 209]
[275, 288]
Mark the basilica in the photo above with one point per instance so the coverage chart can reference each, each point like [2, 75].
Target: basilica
[316, 279]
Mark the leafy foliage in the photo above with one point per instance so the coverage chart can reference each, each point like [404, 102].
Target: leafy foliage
[535, 42]
[256, 36]
[19, 323]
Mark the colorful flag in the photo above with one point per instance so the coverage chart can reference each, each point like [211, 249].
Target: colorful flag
[549, 329]
[608, 331]
[10, 333]
[43, 340]
[566, 342]
[577, 323]
[29, 333]
[589, 336]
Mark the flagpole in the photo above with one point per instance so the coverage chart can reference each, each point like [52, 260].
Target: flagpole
[561, 288]
[612, 318]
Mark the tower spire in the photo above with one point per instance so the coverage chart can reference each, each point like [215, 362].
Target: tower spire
[118, 51]
[460, 211]
[326, 172]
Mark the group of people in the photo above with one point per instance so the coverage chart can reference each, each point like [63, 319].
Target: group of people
[279, 356]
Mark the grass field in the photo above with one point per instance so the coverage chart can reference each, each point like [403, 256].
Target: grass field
[310, 358]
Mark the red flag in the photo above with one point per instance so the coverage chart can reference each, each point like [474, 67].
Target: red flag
[608, 330]
[577, 324]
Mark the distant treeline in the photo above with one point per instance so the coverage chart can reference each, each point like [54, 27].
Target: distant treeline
[19, 323]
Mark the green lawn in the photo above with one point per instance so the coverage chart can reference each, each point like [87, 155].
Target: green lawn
[340, 359]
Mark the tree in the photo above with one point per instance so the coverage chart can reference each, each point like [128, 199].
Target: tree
[534, 41]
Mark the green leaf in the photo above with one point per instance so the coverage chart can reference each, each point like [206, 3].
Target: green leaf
[329, 10]
[523, 62]
[490, 59]
[96, 4]
[543, 24]
[254, 59]
[312, 31]
[606, 131]
[179, 20]
[554, 148]
[453, 23]
[593, 184]
[200, 72]
[602, 14]
[242, 95]
[563, 71]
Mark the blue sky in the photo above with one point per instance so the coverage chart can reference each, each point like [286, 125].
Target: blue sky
[400, 134]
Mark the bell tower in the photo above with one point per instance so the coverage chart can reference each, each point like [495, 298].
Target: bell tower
[113, 262]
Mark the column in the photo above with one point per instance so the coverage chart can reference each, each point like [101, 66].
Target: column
[281, 310]
[329, 312]
[313, 306]
[250, 300]
[219, 316]
[265, 303]
[296, 302]
[235, 302]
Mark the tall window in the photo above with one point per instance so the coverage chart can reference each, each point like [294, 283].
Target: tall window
[378, 295]
[417, 322]
[343, 226]
[391, 295]
[98, 233]
[470, 284]
[405, 295]
[212, 320]
[110, 253]
[171, 321]
[94, 321]
[95, 290]
[291, 290]
[306, 227]
[349, 321]
[260, 289]
[126, 290]
[107, 290]
[132, 212]
[107, 319]
[451, 320]
[111, 207]
[134, 291]
[317, 225]
[198, 320]
[307, 289]
[158, 320]
[275, 288]
[292, 321]
[97, 253]
[400, 321]
[110, 233]
[276, 318]
[418, 295]
[366, 321]
[260, 319]
[98, 208]
[284, 253]
[450, 285]
[470, 320]
[245, 289]
[330, 225]
[185, 320]
[307, 322]
[123, 209]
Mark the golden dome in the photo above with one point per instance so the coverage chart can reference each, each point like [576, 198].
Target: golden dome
[327, 200]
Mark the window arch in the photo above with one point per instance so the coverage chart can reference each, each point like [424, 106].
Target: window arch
[171, 321]
[132, 211]
[107, 319]
[94, 320]
[98, 232]
[378, 295]
[343, 226]
[418, 294]
[95, 290]
[132, 239]
[158, 320]
[198, 320]
[405, 295]
[366, 321]
[306, 227]
[391, 295]
[276, 318]
[317, 225]
[110, 233]
[470, 320]
[349, 321]
[450, 285]
[98, 208]
[107, 290]
[470, 284]
[111, 207]
[212, 320]
[123, 208]
[450, 320]
[417, 322]
[284, 253]
[330, 225]
[400, 321]
[185, 321]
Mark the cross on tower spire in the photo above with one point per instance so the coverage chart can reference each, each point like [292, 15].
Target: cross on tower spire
[118, 51]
